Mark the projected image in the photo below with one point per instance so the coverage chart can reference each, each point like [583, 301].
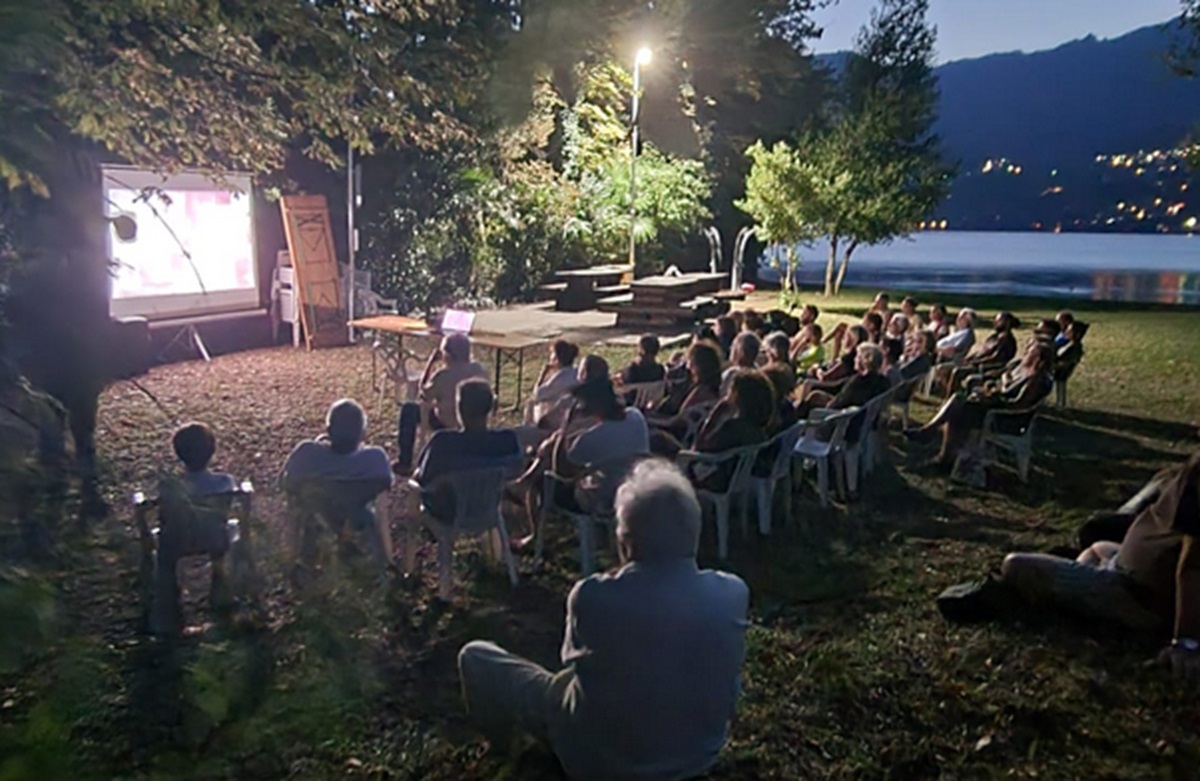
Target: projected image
[194, 250]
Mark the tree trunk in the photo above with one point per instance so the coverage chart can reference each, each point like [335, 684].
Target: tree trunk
[841, 277]
[833, 248]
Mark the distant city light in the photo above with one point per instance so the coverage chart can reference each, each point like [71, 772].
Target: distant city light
[1190, 223]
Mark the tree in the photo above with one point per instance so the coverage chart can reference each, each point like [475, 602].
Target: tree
[1184, 58]
[874, 169]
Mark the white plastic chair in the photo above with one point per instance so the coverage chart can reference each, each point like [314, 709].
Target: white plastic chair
[874, 439]
[824, 452]
[1020, 443]
[646, 394]
[585, 522]
[743, 459]
[477, 495]
[781, 471]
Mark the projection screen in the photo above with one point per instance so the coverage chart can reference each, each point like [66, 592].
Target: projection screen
[194, 250]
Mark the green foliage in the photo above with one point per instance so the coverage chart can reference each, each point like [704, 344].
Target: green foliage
[875, 169]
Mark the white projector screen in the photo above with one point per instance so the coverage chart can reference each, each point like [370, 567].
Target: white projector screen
[194, 251]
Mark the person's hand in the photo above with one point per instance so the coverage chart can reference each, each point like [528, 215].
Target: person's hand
[1183, 664]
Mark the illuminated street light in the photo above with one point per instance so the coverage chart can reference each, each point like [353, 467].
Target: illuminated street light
[644, 56]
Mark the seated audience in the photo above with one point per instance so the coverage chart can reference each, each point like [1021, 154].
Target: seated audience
[939, 324]
[727, 330]
[651, 660]
[956, 345]
[866, 383]
[809, 315]
[471, 448]
[882, 306]
[743, 417]
[753, 322]
[808, 350]
[438, 389]
[920, 351]
[874, 323]
[558, 377]
[701, 384]
[1064, 319]
[833, 375]
[195, 444]
[334, 474]
[963, 413]
[909, 307]
[746, 349]
[1047, 331]
[997, 350]
[1150, 581]
[645, 368]
[893, 356]
[898, 326]
[779, 355]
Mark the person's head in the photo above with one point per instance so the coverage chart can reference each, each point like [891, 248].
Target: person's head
[739, 318]
[898, 325]
[592, 369]
[873, 322]
[882, 302]
[753, 396]
[855, 335]
[893, 351]
[1064, 319]
[475, 403]
[909, 306]
[456, 348]
[1005, 322]
[346, 424]
[816, 333]
[966, 318]
[727, 329]
[194, 445]
[779, 347]
[809, 314]
[597, 398]
[705, 333]
[1077, 330]
[1047, 329]
[704, 365]
[868, 358]
[937, 313]
[782, 380]
[563, 353]
[658, 514]
[789, 325]
[1039, 358]
[923, 343]
[745, 350]
[754, 323]
[648, 347]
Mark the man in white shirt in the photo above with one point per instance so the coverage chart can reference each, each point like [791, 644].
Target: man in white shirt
[439, 389]
[652, 653]
[960, 342]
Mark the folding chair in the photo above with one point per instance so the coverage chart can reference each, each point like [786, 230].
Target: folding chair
[477, 496]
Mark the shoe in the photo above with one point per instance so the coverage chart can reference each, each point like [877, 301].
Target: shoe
[977, 601]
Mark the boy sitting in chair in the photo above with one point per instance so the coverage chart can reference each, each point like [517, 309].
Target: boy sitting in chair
[194, 445]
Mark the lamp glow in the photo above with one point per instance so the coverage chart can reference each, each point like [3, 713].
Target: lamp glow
[644, 56]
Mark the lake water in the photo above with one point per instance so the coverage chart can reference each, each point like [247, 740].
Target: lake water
[1103, 267]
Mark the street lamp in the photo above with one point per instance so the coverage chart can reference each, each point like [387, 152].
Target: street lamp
[644, 56]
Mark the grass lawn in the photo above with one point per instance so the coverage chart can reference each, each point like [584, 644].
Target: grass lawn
[851, 671]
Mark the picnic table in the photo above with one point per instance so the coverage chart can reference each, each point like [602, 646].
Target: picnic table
[508, 349]
[586, 285]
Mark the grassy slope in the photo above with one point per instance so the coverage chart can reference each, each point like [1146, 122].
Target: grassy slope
[851, 672]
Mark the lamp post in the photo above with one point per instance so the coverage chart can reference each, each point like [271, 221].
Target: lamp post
[643, 58]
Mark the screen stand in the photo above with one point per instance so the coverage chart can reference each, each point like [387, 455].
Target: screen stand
[188, 333]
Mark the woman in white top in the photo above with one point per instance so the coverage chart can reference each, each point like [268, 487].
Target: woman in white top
[558, 378]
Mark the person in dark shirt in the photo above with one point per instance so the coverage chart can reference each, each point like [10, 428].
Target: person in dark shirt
[473, 447]
[866, 384]
[727, 331]
[963, 413]
[645, 367]
[742, 418]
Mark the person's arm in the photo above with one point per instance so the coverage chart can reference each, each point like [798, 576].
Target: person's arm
[574, 647]
[428, 374]
[547, 391]
[706, 436]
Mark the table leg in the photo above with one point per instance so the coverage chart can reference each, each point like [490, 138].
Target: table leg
[499, 359]
[520, 374]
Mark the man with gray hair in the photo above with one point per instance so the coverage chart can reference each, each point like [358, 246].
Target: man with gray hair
[652, 653]
[743, 355]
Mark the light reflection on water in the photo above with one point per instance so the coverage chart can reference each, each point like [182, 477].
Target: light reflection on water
[1101, 267]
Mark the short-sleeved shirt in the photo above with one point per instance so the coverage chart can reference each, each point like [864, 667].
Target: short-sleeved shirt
[449, 452]
[206, 483]
[1150, 551]
[442, 390]
[550, 398]
[609, 443]
[656, 650]
[960, 341]
[813, 355]
[367, 472]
